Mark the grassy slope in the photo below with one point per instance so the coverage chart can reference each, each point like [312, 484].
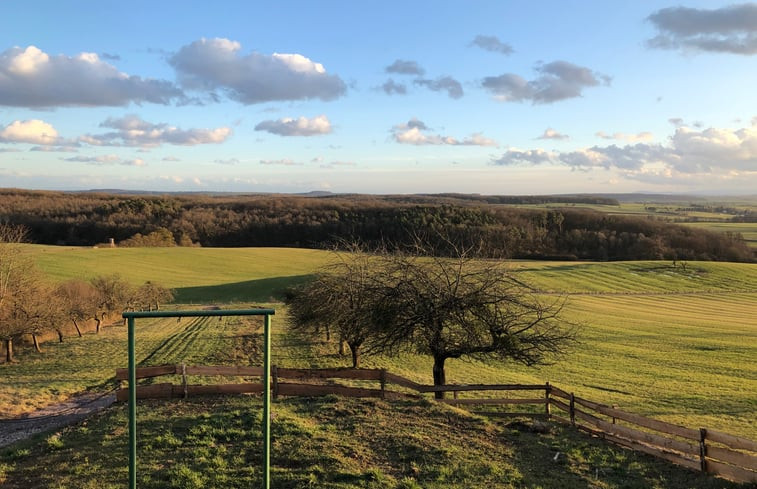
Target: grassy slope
[328, 443]
[659, 340]
[331, 443]
[197, 274]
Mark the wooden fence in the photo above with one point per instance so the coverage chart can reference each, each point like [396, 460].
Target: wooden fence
[700, 449]
[705, 450]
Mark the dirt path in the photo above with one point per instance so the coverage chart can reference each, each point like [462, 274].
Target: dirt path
[54, 416]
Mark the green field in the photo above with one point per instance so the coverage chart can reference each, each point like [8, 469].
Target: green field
[673, 343]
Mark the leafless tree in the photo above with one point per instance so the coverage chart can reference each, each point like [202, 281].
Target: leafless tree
[341, 299]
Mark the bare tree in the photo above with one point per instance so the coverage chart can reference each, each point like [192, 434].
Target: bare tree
[18, 282]
[113, 295]
[78, 301]
[464, 307]
[151, 294]
[341, 299]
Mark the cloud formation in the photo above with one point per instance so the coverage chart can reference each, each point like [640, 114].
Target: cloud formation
[109, 159]
[30, 77]
[211, 64]
[550, 133]
[33, 131]
[390, 87]
[558, 80]
[731, 29]
[283, 162]
[621, 136]
[302, 126]
[415, 132]
[444, 83]
[131, 130]
[493, 44]
[404, 67]
[688, 152]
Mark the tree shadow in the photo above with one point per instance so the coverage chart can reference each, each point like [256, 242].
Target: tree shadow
[261, 290]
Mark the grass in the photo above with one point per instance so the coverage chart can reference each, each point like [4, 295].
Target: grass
[197, 274]
[331, 443]
[672, 343]
[89, 362]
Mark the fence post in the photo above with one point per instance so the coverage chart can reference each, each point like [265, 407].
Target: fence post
[383, 383]
[702, 449]
[184, 380]
[547, 390]
[275, 375]
[572, 409]
[614, 406]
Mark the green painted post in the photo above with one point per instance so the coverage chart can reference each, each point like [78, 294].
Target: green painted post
[132, 407]
[267, 403]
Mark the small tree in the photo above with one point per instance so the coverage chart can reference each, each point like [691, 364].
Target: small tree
[462, 307]
[150, 294]
[14, 284]
[340, 299]
[78, 301]
[113, 295]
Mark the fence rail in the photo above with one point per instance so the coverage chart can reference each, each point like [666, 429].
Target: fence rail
[699, 449]
[705, 450]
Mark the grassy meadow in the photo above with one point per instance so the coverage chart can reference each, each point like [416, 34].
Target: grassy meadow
[670, 342]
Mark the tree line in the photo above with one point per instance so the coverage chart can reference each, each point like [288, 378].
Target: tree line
[321, 221]
[32, 306]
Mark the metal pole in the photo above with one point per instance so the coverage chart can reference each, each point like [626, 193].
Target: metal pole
[132, 408]
[267, 403]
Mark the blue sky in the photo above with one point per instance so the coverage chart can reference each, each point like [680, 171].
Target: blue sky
[380, 97]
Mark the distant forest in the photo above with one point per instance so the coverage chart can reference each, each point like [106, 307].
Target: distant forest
[322, 221]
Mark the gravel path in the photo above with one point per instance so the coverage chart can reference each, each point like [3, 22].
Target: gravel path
[54, 416]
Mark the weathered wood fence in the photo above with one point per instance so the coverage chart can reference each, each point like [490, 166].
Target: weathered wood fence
[701, 449]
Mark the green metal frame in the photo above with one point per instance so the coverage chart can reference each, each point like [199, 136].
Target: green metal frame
[130, 316]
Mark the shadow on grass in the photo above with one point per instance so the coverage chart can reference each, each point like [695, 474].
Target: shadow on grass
[262, 290]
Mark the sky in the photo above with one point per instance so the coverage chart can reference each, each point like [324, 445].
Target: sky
[489, 97]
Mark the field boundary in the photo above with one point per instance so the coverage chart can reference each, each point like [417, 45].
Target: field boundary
[701, 449]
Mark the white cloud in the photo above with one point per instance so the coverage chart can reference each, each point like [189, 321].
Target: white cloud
[30, 77]
[230, 161]
[390, 87]
[404, 67]
[283, 162]
[550, 133]
[210, 64]
[493, 44]
[32, 131]
[302, 126]
[339, 164]
[443, 84]
[415, 132]
[171, 158]
[713, 151]
[558, 80]
[131, 130]
[109, 159]
[731, 29]
[621, 136]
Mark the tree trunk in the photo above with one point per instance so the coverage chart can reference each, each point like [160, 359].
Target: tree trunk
[60, 335]
[440, 377]
[355, 349]
[77, 328]
[36, 343]
[342, 351]
[97, 324]
[328, 333]
[8, 350]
